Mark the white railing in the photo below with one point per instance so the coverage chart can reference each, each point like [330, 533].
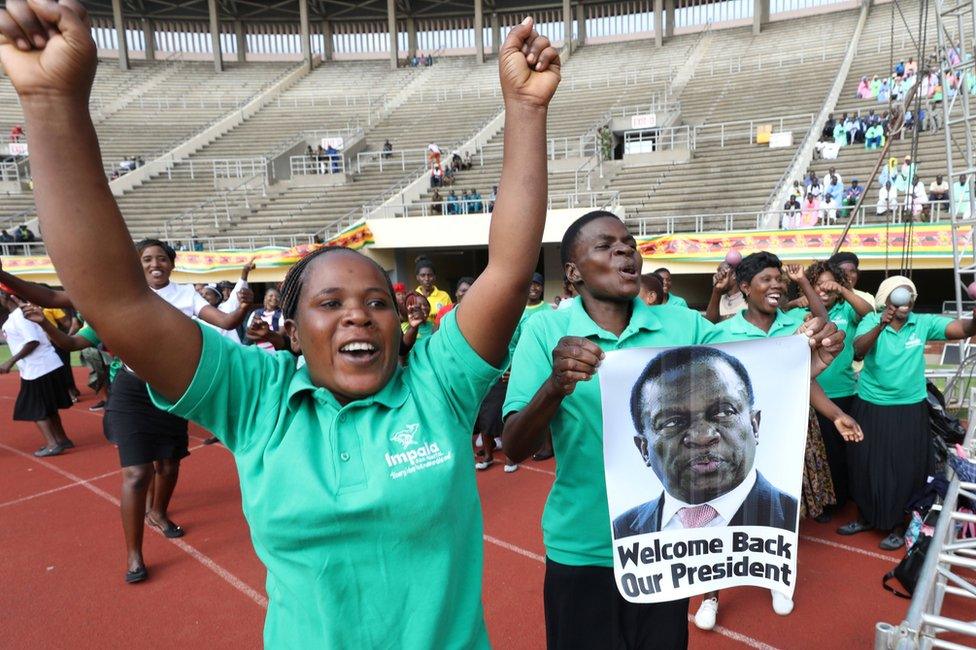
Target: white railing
[677, 137]
[240, 242]
[482, 205]
[217, 211]
[734, 65]
[773, 220]
[583, 174]
[9, 171]
[748, 129]
[349, 133]
[238, 168]
[22, 248]
[317, 165]
[401, 158]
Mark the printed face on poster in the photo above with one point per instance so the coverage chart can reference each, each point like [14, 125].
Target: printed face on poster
[703, 452]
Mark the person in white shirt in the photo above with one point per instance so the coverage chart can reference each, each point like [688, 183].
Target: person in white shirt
[916, 199]
[887, 199]
[829, 208]
[42, 389]
[264, 325]
[433, 154]
[960, 194]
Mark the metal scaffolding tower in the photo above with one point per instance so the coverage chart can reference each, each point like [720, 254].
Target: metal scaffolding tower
[956, 25]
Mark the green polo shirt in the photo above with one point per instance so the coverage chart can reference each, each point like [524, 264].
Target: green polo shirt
[738, 328]
[576, 520]
[92, 337]
[366, 515]
[527, 313]
[675, 300]
[837, 379]
[894, 369]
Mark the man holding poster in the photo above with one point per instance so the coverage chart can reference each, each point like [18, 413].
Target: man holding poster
[724, 442]
[697, 428]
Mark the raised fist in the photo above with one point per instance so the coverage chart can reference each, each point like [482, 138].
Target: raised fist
[528, 66]
[47, 49]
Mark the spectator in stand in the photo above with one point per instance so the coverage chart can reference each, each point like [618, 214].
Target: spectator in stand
[916, 201]
[492, 197]
[884, 92]
[894, 459]
[828, 209]
[933, 119]
[453, 205]
[887, 199]
[23, 235]
[426, 276]
[872, 118]
[905, 176]
[791, 214]
[605, 140]
[875, 86]
[388, 146]
[815, 189]
[797, 191]
[433, 154]
[810, 211]
[851, 196]
[466, 202]
[900, 69]
[960, 192]
[429, 61]
[455, 160]
[828, 129]
[911, 68]
[448, 179]
[840, 131]
[436, 176]
[854, 129]
[835, 190]
[6, 237]
[863, 89]
[832, 172]
[436, 202]
[466, 162]
[874, 137]
[670, 298]
[16, 133]
[939, 192]
[477, 205]
[333, 159]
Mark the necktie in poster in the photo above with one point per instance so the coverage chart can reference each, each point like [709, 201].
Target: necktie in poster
[703, 452]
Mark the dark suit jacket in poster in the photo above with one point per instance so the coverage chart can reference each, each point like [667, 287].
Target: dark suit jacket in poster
[764, 506]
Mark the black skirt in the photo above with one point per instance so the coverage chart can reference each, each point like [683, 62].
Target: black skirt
[40, 399]
[891, 463]
[142, 432]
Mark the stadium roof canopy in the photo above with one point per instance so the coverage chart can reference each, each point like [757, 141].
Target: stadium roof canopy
[287, 10]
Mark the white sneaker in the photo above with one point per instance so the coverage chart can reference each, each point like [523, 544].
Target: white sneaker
[707, 613]
[782, 604]
[482, 464]
[513, 467]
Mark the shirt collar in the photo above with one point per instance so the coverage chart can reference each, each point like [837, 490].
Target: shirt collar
[911, 320]
[740, 325]
[725, 505]
[642, 317]
[392, 395]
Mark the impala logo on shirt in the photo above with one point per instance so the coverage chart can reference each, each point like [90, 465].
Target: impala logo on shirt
[406, 436]
[913, 341]
[414, 455]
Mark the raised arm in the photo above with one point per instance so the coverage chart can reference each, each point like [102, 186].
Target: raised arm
[817, 309]
[232, 319]
[864, 343]
[529, 70]
[35, 293]
[722, 281]
[961, 328]
[52, 71]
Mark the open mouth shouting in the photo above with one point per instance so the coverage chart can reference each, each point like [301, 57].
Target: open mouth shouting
[359, 353]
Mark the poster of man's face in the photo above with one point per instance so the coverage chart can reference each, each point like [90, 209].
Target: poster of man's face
[703, 456]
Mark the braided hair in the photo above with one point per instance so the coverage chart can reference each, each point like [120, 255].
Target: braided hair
[291, 288]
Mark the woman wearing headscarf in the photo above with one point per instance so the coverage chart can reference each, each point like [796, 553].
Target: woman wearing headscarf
[894, 459]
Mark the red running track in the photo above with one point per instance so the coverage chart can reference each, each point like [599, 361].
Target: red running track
[63, 559]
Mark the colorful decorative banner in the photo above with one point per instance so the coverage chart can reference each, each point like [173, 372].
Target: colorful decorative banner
[927, 241]
[203, 262]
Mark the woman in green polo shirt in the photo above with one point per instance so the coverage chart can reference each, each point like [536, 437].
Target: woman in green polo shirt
[893, 461]
[552, 386]
[355, 473]
[845, 309]
[763, 283]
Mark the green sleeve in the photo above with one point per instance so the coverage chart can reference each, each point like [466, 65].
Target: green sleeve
[531, 366]
[867, 324]
[236, 392]
[88, 333]
[935, 326]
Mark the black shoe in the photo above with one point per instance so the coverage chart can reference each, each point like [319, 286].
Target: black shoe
[97, 406]
[823, 518]
[67, 444]
[138, 575]
[853, 528]
[542, 455]
[892, 542]
[211, 440]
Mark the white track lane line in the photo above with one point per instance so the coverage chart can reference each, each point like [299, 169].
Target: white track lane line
[718, 629]
[537, 469]
[200, 557]
[852, 549]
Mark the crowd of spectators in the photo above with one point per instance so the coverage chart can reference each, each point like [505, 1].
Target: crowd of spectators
[128, 164]
[327, 160]
[419, 61]
[469, 202]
